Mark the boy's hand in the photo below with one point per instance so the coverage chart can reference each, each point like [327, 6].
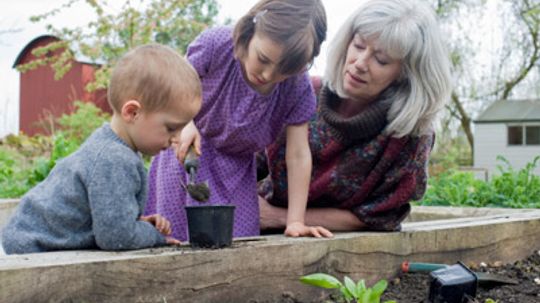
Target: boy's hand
[188, 136]
[298, 229]
[162, 225]
[172, 241]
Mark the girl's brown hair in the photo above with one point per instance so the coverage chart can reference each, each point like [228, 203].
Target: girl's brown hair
[298, 25]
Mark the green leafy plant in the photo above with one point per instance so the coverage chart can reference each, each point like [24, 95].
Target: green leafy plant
[26, 161]
[510, 188]
[350, 291]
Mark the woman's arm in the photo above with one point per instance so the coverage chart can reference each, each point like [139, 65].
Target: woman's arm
[273, 217]
[298, 159]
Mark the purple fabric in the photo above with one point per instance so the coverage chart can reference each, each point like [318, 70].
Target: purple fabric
[235, 122]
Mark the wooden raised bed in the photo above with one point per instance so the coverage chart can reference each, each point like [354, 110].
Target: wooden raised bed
[261, 269]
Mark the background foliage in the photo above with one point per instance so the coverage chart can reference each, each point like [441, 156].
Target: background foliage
[25, 161]
[110, 35]
[510, 188]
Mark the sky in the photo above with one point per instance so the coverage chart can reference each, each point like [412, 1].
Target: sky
[16, 14]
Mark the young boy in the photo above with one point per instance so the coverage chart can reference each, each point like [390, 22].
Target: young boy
[95, 197]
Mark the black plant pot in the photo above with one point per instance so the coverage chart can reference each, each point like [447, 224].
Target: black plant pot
[210, 226]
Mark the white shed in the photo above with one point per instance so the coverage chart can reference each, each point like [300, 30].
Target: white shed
[510, 128]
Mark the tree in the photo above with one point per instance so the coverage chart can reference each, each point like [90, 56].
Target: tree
[109, 36]
[506, 70]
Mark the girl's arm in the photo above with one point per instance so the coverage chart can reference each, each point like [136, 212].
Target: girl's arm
[298, 159]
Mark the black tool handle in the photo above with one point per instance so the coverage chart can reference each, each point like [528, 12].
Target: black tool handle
[192, 160]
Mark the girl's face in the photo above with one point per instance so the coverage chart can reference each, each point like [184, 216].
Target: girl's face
[368, 70]
[260, 63]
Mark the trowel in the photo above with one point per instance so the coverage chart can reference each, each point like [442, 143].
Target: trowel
[198, 191]
[483, 277]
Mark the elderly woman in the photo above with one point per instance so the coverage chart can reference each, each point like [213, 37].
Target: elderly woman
[387, 77]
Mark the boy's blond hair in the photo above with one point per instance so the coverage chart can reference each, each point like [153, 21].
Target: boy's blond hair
[152, 74]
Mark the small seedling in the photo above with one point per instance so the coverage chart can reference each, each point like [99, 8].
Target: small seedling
[350, 291]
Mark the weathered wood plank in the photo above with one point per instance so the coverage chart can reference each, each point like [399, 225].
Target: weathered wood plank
[260, 270]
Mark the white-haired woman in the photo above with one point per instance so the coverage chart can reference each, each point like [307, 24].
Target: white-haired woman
[387, 77]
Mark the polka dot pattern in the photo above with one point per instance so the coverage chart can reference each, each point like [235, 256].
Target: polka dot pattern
[235, 122]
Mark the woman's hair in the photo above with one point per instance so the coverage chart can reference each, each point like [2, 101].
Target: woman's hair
[154, 75]
[408, 31]
[298, 25]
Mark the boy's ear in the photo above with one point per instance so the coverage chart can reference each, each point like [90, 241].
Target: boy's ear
[131, 110]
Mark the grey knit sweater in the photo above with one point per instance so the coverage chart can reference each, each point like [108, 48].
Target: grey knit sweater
[91, 199]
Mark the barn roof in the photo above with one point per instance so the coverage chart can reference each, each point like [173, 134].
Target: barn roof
[511, 111]
[28, 48]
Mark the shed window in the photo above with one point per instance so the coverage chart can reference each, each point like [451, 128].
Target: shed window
[532, 135]
[524, 135]
[515, 135]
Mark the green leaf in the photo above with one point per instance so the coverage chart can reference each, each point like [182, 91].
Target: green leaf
[321, 280]
[366, 296]
[351, 287]
[361, 286]
[379, 288]
[346, 293]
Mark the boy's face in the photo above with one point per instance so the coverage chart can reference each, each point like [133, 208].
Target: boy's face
[153, 132]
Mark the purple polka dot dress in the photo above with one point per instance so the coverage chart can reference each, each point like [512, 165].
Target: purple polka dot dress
[235, 121]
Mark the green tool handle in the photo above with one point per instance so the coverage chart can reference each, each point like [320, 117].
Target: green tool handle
[420, 267]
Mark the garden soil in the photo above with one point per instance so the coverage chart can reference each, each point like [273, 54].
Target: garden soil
[414, 287]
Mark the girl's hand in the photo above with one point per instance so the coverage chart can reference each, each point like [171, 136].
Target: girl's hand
[172, 241]
[298, 229]
[188, 136]
[162, 225]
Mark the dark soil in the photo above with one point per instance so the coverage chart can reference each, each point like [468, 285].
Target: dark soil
[414, 287]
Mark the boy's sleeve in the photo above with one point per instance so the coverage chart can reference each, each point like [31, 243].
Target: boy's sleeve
[201, 51]
[113, 197]
[303, 99]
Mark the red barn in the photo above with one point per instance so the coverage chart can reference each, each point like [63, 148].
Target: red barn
[41, 95]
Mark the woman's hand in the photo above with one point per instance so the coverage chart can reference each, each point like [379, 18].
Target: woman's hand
[160, 223]
[298, 229]
[188, 136]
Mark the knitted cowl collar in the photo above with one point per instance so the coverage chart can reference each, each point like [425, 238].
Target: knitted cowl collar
[365, 125]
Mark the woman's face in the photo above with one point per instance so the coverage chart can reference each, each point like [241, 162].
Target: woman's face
[368, 70]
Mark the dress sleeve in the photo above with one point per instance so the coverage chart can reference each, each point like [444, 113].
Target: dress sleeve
[201, 51]
[303, 99]
[114, 194]
[405, 181]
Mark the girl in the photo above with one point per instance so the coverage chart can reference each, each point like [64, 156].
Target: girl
[254, 83]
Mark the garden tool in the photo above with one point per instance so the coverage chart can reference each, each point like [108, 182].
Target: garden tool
[198, 191]
[483, 277]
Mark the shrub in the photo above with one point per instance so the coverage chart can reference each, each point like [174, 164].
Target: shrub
[511, 188]
[26, 161]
